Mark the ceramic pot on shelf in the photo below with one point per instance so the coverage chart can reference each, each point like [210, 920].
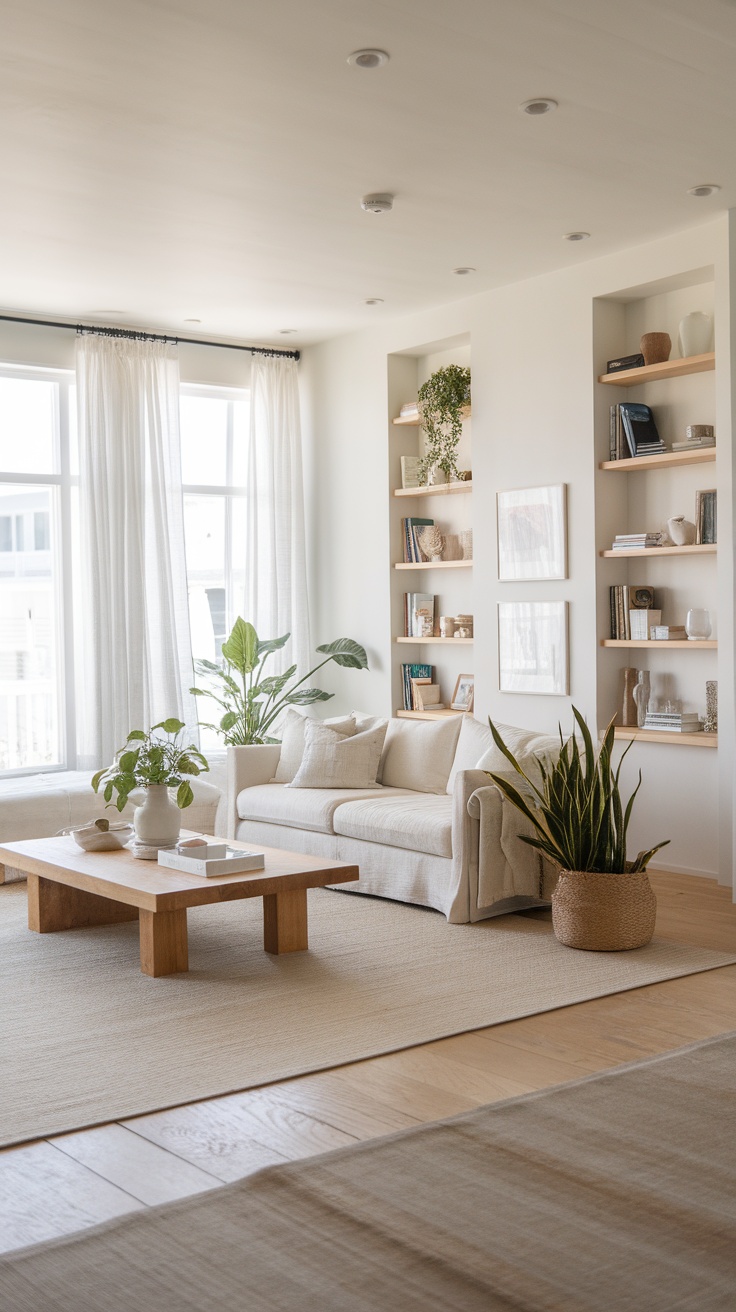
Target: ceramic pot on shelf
[655, 347]
[695, 333]
[681, 531]
[157, 822]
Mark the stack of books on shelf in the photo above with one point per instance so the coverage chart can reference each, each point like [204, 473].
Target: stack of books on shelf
[636, 541]
[419, 615]
[425, 695]
[673, 721]
[668, 632]
[624, 598]
[413, 553]
[625, 362]
[633, 432]
[410, 410]
[410, 673]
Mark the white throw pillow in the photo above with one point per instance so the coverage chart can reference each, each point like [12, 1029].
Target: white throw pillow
[527, 746]
[419, 754]
[364, 721]
[474, 741]
[292, 740]
[335, 760]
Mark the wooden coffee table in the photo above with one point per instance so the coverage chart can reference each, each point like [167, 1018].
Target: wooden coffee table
[69, 889]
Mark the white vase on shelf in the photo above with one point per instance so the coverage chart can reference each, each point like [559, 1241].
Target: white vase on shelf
[696, 334]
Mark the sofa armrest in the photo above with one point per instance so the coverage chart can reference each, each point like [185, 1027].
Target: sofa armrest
[246, 767]
[464, 845]
[508, 867]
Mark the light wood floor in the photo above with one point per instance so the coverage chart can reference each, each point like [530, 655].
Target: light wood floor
[57, 1186]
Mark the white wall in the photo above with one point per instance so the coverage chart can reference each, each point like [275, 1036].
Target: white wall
[534, 366]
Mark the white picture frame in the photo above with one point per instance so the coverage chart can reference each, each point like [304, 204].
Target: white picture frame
[533, 648]
[463, 697]
[532, 533]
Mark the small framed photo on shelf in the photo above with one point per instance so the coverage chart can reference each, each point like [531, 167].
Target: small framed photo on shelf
[706, 516]
[464, 694]
[532, 533]
[532, 647]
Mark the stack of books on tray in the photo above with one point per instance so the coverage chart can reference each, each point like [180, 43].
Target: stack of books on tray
[635, 541]
[673, 721]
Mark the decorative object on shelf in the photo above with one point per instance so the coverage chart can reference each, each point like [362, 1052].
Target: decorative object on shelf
[656, 347]
[464, 694]
[418, 608]
[532, 533]
[252, 704]
[710, 723]
[641, 623]
[532, 647]
[629, 712]
[681, 531]
[442, 400]
[459, 546]
[641, 695]
[447, 626]
[465, 475]
[436, 476]
[624, 362]
[155, 761]
[697, 624]
[432, 541]
[410, 471]
[706, 516]
[700, 433]
[667, 633]
[602, 902]
[695, 333]
[463, 626]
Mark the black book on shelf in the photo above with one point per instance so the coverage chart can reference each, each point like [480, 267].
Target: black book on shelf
[640, 429]
[624, 362]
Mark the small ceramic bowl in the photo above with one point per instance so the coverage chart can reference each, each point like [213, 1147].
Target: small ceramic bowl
[93, 839]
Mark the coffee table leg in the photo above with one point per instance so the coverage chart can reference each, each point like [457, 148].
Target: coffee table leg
[285, 921]
[53, 906]
[164, 949]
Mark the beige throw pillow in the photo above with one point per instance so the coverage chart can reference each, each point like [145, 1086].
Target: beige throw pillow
[335, 760]
[528, 747]
[292, 741]
[419, 754]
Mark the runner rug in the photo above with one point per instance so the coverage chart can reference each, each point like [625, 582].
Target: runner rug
[86, 1038]
[617, 1191]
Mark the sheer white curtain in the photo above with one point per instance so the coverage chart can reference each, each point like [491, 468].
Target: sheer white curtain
[275, 572]
[135, 651]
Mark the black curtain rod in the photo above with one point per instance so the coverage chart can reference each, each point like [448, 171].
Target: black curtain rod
[149, 337]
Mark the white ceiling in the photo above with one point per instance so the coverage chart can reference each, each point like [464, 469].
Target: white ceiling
[178, 159]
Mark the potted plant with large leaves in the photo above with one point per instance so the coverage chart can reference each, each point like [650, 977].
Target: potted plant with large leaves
[443, 400]
[603, 901]
[156, 761]
[251, 701]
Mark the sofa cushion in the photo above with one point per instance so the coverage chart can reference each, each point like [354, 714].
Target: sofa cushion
[364, 721]
[292, 740]
[418, 754]
[420, 823]
[299, 808]
[527, 746]
[335, 760]
[474, 740]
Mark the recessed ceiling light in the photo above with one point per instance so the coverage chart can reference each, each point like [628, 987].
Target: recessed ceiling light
[368, 58]
[704, 189]
[373, 300]
[463, 269]
[539, 105]
[576, 236]
[377, 203]
[285, 331]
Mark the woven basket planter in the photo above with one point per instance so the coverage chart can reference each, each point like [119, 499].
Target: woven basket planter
[603, 912]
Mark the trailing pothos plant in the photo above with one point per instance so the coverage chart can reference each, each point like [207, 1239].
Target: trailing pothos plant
[251, 703]
[442, 400]
[156, 757]
[577, 811]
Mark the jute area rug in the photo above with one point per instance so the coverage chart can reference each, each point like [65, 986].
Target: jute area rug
[614, 1192]
[86, 1037]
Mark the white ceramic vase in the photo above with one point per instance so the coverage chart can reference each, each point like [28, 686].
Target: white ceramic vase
[681, 531]
[157, 822]
[696, 332]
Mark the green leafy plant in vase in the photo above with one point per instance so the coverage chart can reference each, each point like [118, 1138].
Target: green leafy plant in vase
[443, 399]
[251, 701]
[602, 900]
[156, 761]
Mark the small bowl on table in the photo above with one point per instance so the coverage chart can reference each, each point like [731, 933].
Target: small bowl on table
[92, 837]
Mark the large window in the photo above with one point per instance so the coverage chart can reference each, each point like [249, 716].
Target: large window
[36, 490]
[214, 432]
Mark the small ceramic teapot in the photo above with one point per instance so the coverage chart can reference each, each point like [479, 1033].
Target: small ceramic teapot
[681, 531]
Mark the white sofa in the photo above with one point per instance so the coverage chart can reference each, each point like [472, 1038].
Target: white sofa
[435, 832]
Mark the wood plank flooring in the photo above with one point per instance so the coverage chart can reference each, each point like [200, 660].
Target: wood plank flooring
[61, 1185]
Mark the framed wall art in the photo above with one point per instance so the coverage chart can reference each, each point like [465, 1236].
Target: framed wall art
[532, 647]
[532, 533]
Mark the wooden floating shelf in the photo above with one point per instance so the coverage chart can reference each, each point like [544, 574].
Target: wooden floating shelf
[704, 549]
[666, 460]
[427, 715]
[693, 364]
[415, 421]
[436, 490]
[451, 642]
[668, 737]
[443, 564]
[679, 644]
